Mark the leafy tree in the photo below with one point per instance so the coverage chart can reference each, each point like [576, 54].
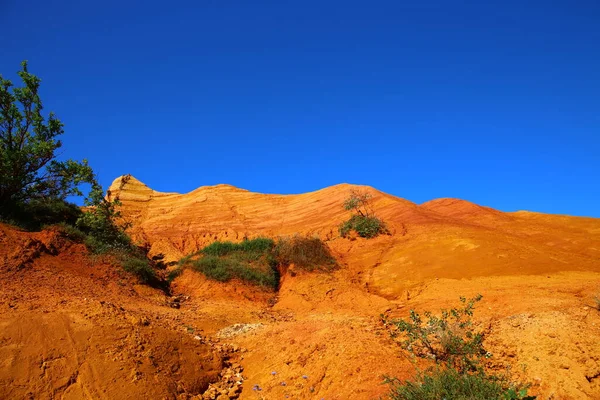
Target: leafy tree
[359, 203]
[34, 185]
[29, 170]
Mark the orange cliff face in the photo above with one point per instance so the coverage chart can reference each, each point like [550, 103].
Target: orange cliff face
[538, 274]
[444, 238]
[77, 327]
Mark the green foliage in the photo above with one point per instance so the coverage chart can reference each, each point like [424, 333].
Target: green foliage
[256, 261]
[306, 253]
[34, 185]
[105, 235]
[363, 220]
[250, 260]
[449, 338]
[99, 221]
[36, 213]
[359, 203]
[30, 175]
[442, 383]
[224, 269]
[451, 341]
[256, 246]
[73, 233]
[366, 227]
[140, 267]
[172, 275]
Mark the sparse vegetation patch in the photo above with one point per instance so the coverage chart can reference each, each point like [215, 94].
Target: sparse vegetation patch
[257, 261]
[363, 220]
[455, 347]
[251, 261]
[305, 253]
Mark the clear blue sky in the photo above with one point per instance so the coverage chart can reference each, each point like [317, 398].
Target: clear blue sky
[494, 102]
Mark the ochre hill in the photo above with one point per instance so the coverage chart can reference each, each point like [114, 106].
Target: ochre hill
[444, 238]
[538, 273]
[75, 326]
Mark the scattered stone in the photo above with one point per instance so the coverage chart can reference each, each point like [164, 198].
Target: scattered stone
[230, 384]
[237, 329]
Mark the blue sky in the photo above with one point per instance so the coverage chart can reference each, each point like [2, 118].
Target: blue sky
[493, 102]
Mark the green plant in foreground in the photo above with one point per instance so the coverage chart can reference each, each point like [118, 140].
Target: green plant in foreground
[442, 383]
[225, 269]
[456, 348]
[449, 338]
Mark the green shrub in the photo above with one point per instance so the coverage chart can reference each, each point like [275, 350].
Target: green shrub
[366, 227]
[251, 261]
[175, 273]
[256, 246]
[224, 269]
[452, 343]
[73, 233]
[140, 267]
[34, 214]
[103, 245]
[442, 383]
[305, 253]
[363, 220]
[449, 338]
[256, 261]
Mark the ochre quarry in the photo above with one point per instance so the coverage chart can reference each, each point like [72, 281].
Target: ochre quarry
[320, 335]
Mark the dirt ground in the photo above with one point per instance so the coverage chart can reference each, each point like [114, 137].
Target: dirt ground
[73, 326]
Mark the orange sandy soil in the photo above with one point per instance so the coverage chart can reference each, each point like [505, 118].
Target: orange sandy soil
[76, 327]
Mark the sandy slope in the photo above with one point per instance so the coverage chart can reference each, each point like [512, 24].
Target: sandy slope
[72, 327]
[321, 333]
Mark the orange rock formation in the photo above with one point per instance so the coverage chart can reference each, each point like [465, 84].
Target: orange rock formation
[320, 333]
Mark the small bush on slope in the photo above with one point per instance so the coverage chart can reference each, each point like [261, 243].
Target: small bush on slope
[140, 267]
[366, 227]
[305, 253]
[251, 248]
[130, 257]
[363, 220]
[71, 232]
[98, 229]
[451, 341]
